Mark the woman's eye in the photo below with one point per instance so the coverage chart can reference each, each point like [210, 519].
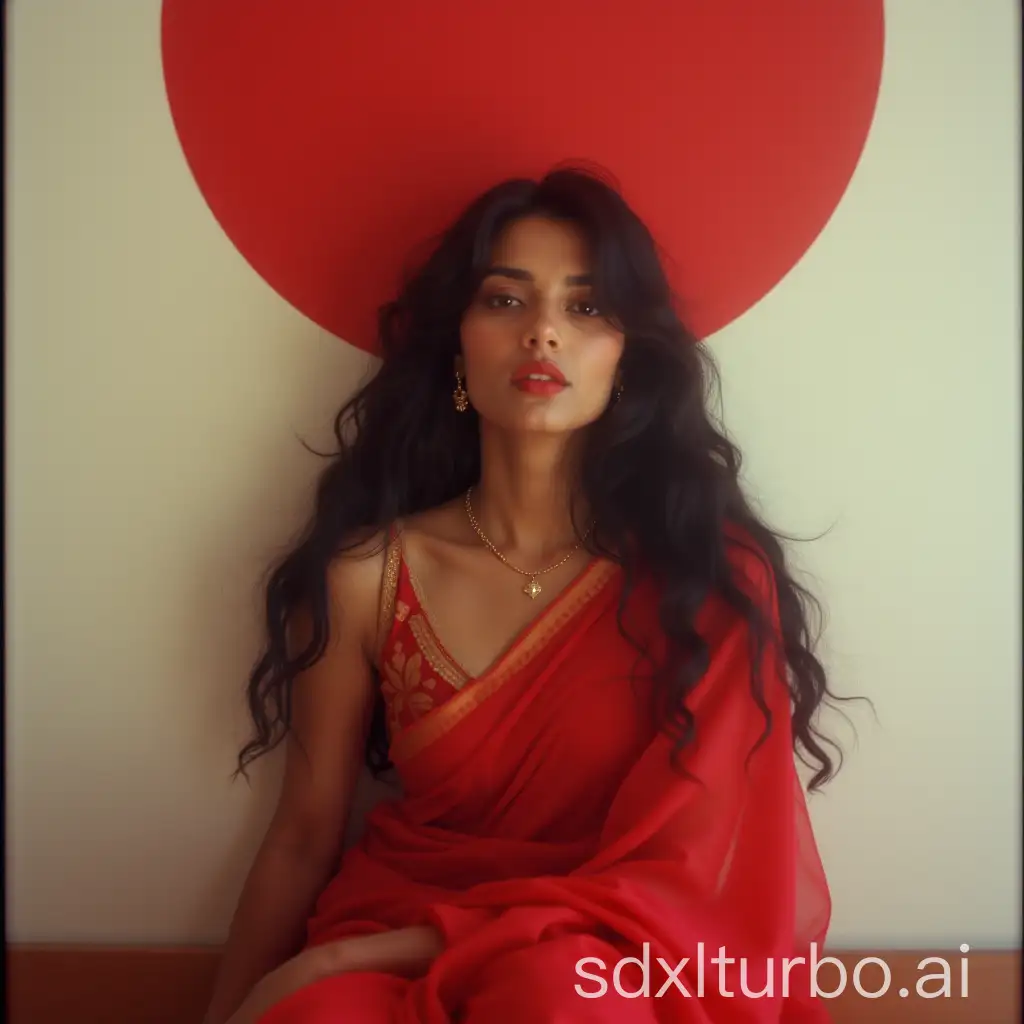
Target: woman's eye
[501, 301]
[587, 309]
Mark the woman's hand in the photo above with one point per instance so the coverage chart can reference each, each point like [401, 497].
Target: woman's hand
[407, 952]
[309, 966]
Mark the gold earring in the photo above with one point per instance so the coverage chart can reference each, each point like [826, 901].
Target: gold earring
[460, 395]
[618, 391]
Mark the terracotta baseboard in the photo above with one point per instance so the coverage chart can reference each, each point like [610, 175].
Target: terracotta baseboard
[145, 985]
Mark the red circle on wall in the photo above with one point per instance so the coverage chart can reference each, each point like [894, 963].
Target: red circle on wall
[330, 137]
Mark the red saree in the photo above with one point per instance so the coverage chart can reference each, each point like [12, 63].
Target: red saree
[545, 833]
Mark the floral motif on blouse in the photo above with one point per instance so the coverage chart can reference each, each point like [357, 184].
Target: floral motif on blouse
[404, 687]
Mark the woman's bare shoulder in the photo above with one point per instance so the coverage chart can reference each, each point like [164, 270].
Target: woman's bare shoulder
[354, 576]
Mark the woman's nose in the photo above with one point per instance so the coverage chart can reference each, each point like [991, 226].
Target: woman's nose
[542, 335]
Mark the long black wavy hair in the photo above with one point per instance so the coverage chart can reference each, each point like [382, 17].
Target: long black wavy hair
[660, 479]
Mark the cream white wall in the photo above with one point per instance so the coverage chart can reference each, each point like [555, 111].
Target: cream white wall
[156, 386]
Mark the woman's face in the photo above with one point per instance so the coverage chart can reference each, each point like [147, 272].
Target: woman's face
[538, 355]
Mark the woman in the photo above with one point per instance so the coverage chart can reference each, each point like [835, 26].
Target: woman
[533, 585]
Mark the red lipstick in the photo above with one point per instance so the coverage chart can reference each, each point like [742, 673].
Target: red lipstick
[539, 377]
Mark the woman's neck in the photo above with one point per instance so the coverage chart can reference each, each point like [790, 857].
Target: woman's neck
[527, 493]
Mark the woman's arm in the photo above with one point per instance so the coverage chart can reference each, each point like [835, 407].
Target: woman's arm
[331, 705]
[267, 929]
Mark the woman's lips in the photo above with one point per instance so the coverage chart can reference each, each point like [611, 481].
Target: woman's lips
[537, 386]
[539, 377]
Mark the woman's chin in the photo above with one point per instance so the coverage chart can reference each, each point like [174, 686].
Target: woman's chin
[530, 423]
[537, 416]
[550, 426]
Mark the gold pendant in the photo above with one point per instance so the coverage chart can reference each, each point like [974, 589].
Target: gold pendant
[532, 589]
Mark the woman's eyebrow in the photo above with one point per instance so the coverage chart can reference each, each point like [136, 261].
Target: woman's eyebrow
[517, 274]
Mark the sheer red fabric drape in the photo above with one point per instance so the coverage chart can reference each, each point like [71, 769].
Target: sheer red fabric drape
[546, 833]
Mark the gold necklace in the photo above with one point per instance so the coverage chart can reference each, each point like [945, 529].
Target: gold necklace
[532, 588]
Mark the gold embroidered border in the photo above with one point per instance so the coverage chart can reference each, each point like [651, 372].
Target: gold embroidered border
[435, 654]
[442, 719]
[388, 590]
